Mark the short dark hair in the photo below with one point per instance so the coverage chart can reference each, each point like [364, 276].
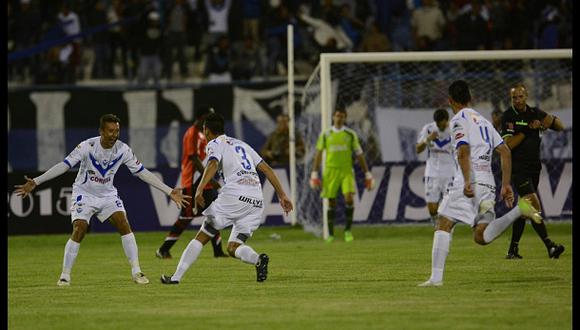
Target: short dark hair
[440, 114]
[215, 123]
[340, 108]
[202, 111]
[459, 92]
[108, 118]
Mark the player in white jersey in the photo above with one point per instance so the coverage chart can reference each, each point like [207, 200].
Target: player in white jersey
[94, 194]
[471, 198]
[239, 203]
[435, 137]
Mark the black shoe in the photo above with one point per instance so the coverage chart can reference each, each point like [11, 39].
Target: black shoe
[162, 254]
[262, 267]
[167, 280]
[555, 251]
[513, 254]
[220, 254]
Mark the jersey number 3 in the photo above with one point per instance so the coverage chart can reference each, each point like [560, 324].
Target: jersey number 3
[246, 162]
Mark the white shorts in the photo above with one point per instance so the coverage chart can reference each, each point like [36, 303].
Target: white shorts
[435, 188]
[85, 206]
[455, 206]
[244, 213]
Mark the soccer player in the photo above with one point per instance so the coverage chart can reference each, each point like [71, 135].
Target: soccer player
[94, 194]
[239, 203]
[471, 198]
[436, 139]
[192, 159]
[522, 128]
[339, 142]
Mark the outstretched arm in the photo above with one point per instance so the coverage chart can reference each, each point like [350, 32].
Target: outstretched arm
[57, 170]
[271, 176]
[175, 194]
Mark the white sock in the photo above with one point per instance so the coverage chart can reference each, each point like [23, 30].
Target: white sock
[71, 250]
[441, 240]
[188, 257]
[247, 254]
[499, 225]
[131, 251]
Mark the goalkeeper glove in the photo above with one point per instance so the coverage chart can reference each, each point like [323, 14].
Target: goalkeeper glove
[314, 180]
[369, 181]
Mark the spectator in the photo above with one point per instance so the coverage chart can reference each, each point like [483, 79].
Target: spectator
[276, 150]
[252, 12]
[70, 55]
[275, 32]
[374, 41]
[351, 25]
[196, 25]
[26, 29]
[471, 29]
[217, 13]
[327, 33]
[117, 38]
[428, 25]
[401, 35]
[218, 63]
[150, 45]
[100, 42]
[246, 59]
[176, 39]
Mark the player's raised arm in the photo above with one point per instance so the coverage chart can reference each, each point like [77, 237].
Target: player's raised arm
[273, 178]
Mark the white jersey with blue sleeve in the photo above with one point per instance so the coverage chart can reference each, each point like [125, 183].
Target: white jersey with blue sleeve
[440, 163]
[471, 128]
[237, 166]
[98, 166]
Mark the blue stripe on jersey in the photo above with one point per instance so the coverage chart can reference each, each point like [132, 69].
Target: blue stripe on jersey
[441, 143]
[141, 169]
[67, 162]
[460, 143]
[103, 170]
[212, 157]
[86, 177]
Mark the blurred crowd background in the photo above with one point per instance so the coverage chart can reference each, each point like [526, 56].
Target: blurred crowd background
[154, 41]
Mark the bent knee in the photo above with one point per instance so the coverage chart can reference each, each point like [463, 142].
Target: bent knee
[232, 249]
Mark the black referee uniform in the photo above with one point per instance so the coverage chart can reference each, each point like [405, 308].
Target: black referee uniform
[526, 168]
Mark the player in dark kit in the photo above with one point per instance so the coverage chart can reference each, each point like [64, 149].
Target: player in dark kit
[192, 160]
[522, 128]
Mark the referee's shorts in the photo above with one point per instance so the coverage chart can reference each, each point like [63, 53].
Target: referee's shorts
[526, 183]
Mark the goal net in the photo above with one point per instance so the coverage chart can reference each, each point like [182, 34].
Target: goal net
[390, 96]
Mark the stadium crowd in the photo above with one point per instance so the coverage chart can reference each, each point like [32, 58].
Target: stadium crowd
[232, 40]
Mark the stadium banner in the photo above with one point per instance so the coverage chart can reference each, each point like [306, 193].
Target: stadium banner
[45, 125]
[398, 198]
[401, 129]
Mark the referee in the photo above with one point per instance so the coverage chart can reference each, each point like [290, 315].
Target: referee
[522, 128]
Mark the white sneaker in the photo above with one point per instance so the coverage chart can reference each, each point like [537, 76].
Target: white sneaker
[140, 278]
[63, 282]
[431, 283]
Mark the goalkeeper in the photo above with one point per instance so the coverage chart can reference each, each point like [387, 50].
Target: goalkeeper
[339, 142]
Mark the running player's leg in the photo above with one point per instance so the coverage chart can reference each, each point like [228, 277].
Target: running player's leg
[242, 230]
[192, 251]
[184, 219]
[432, 197]
[210, 195]
[330, 184]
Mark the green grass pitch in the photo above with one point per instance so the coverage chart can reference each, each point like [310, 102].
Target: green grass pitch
[370, 283]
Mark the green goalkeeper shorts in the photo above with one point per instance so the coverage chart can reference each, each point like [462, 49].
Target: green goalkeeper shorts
[334, 178]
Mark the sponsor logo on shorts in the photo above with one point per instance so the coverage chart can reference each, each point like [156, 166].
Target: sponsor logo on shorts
[254, 202]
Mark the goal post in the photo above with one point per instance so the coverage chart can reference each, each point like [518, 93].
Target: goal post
[376, 83]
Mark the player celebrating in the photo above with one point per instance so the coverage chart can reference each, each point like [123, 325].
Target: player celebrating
[339, 142]
[436, 139]
[94, 194]
[471, 198]
[192, 159]
[522, 128]
[239, 203]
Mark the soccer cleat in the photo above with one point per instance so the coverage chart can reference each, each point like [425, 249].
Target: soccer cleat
[330, 239]
[430, 283]
[348, 236]
[513, 254]
[529, 211]
[221, 254]
[167, 280]
[262, 268]
[555, 251]
[63, 282]
[162, 254]
[140, 278]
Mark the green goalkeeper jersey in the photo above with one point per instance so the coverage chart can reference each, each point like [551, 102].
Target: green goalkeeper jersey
[339, 145]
